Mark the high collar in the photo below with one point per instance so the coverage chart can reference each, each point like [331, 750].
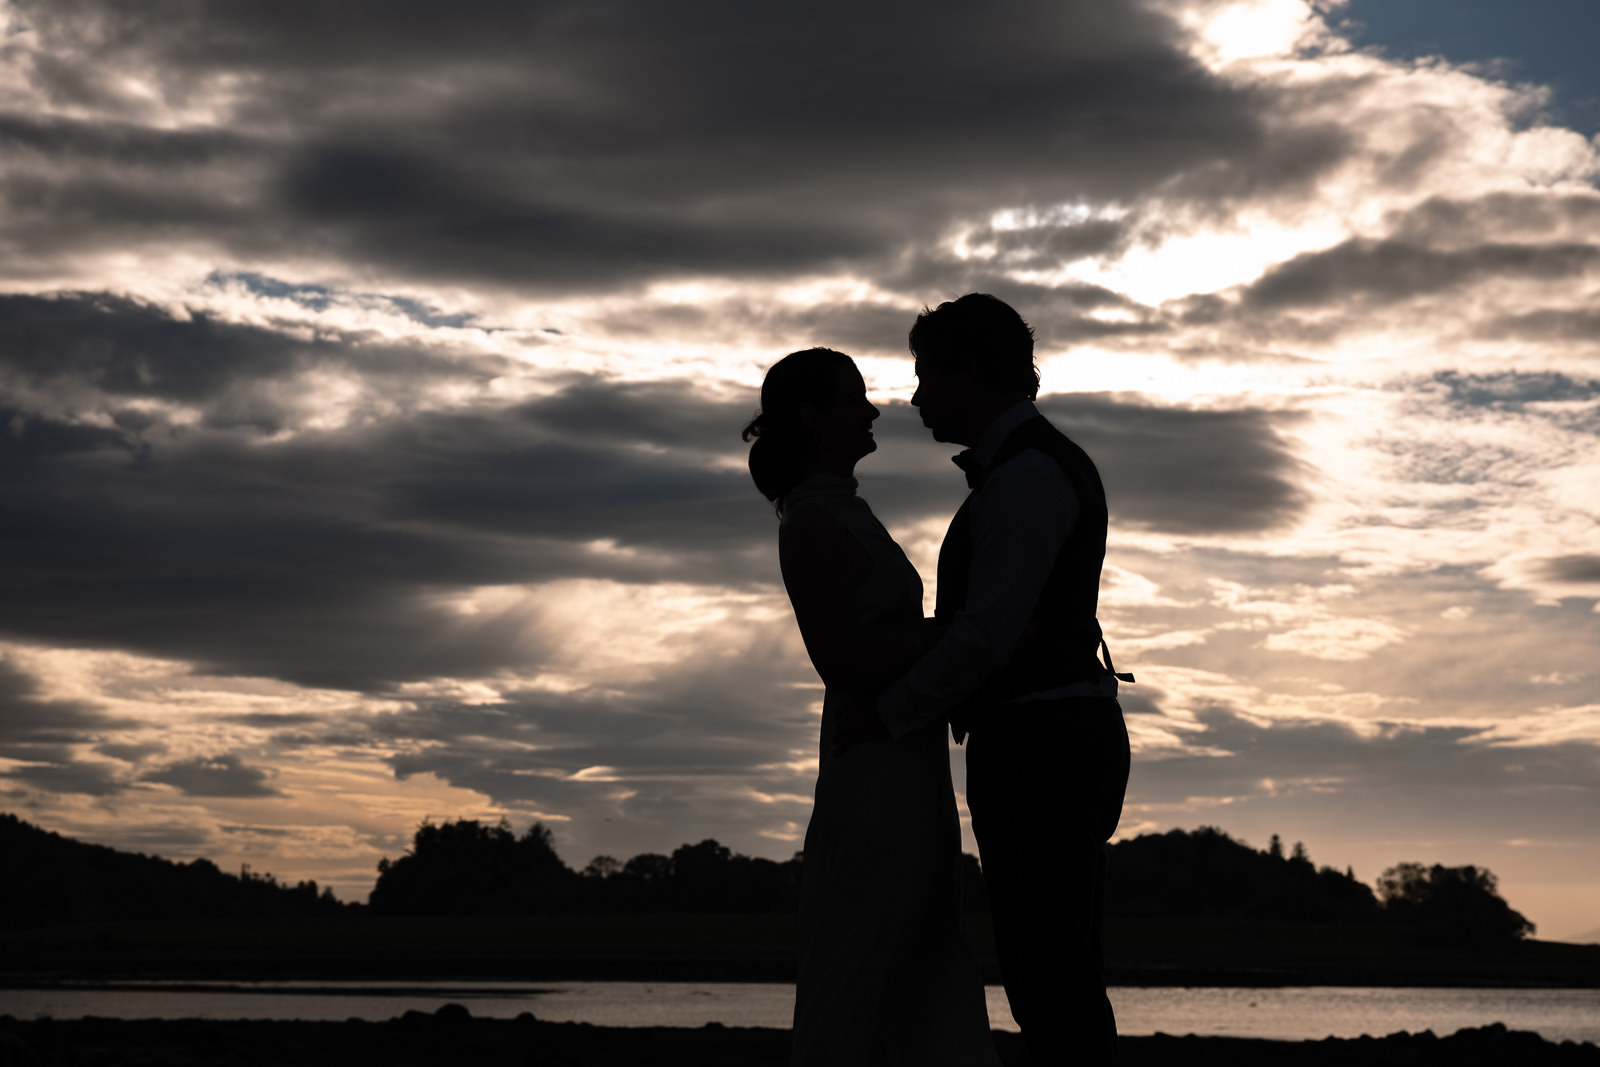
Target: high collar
[820, 487]
[988, 445]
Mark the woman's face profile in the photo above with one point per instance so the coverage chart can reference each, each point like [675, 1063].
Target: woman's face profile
[843, 426]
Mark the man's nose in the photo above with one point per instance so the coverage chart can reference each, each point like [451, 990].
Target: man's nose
[916, 397]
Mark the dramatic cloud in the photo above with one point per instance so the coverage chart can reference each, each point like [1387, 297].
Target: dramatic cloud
[219, 776]
[371, 378]
[411, 149]
[1574, 568]
[42, 737]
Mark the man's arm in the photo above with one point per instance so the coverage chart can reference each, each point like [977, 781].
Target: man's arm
[1020, 518]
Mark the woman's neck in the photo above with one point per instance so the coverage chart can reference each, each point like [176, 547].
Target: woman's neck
[842, 468]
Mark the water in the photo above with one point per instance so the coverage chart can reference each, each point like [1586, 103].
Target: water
[1285, 1013]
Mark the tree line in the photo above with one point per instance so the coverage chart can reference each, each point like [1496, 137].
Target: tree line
[1207, 873]
[467, 867]
[54, 879]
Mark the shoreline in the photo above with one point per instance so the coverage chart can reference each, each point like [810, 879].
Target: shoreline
[401, 982]
[91, 971]
[453, 1035]
[714, 947]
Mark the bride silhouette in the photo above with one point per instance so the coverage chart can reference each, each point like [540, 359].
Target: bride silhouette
[884, 974]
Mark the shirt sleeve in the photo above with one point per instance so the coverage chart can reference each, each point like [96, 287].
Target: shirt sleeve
[1020, 518]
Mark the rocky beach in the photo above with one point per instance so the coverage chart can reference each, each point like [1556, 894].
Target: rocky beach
[452, 1035]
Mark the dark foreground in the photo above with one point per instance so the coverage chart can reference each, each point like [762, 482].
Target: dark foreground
[452, 1036]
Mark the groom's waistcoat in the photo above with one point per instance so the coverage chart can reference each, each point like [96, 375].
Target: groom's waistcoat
[1062, 642]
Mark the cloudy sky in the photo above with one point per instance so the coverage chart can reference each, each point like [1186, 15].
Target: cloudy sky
[371, 377]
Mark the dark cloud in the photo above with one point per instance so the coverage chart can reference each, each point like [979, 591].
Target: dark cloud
[431, 219]
[318, 560]
[1545, 324]
[1062, 314]
[675, 415]
[182, 839]
[1188, 471]
[1547, 396]
[269, 720]
[854, 327]
[100, 352]
[256, 831]
[119, 145]
[122, 348]
[318, 557]
[1172, 469]
[130, 753]
[1052, 245]
[43, 736]
[1514, 390]
[1448, 222]
[321, 297]
[1576, 569]
[1251, 758]
[581, 145]
[71, 776]
[721, 716]
[216, 776]
[681, 759]
[1390, 271]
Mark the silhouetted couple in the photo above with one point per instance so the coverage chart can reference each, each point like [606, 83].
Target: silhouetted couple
[1011, 661]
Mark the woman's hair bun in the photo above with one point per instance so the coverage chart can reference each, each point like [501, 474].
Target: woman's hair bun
[778, 454]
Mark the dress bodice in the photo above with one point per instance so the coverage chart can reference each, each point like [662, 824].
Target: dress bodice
[892, 593]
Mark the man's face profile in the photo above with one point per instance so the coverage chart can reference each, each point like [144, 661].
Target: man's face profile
[943, 398]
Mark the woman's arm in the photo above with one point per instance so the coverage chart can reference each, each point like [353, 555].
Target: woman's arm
[824, 567]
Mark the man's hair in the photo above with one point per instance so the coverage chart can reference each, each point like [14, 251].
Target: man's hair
[983, 333]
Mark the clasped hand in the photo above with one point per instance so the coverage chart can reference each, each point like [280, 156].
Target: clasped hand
[857, 721]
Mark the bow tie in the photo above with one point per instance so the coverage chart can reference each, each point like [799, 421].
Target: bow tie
[968, 462]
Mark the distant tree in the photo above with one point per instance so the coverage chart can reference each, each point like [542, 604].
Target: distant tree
[1458, 903]
[1275, 849]
[706, 877]
[1206, 872]
[602, 867]
[50, 878]
[1299, 855]
[468, 868]
[649, 869]
[700, 876]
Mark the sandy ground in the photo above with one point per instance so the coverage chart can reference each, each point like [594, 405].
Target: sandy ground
[451, 1036]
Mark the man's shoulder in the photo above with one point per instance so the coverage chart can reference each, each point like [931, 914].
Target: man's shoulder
[1038, 447]
[1043, 435]
[1028, 484]
[1026, 464]
[1041, 460]
[1039, 432]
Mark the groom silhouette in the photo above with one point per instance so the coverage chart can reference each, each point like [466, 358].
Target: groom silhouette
[1018, 673]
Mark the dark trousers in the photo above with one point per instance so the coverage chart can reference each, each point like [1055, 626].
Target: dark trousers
[1045, 782]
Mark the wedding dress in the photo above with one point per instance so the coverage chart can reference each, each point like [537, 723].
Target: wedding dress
[885, 976]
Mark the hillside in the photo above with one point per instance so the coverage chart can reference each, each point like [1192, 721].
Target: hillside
[53, 879]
